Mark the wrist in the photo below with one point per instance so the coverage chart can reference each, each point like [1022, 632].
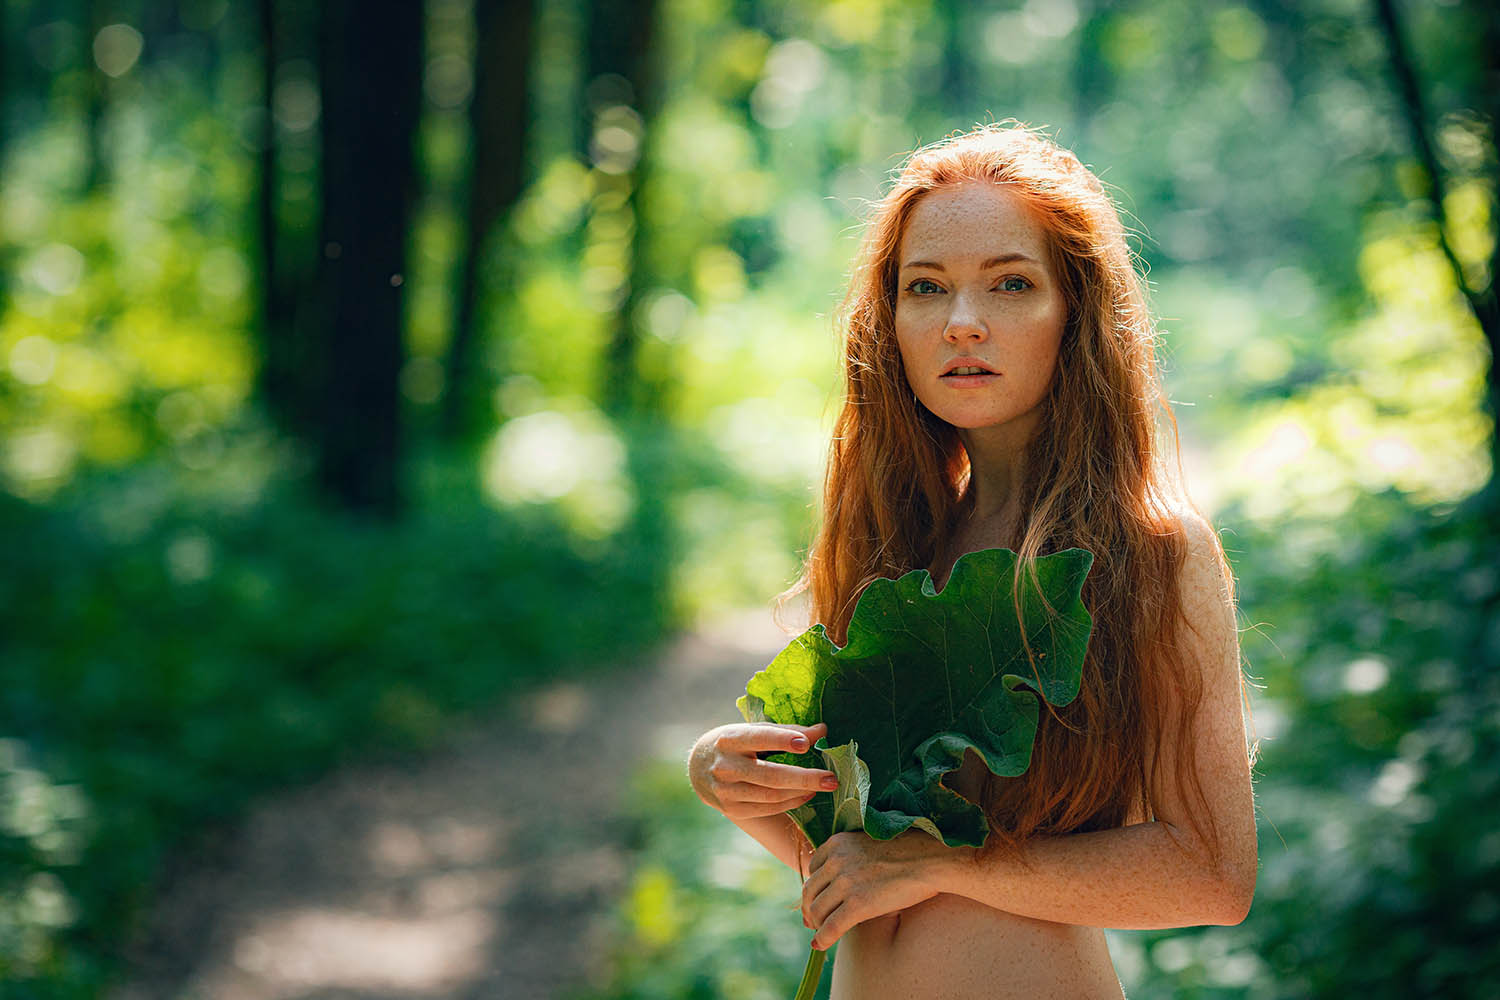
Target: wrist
[955, 869]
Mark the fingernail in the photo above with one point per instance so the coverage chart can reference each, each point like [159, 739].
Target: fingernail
[830, 783]
[799, 743]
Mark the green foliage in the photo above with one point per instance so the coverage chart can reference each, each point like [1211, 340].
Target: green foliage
[926, 677]
[1377, 642]
[169, 650]
[125, 315]
[169, 654]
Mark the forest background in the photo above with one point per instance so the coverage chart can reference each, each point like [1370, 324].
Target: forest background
[363, 363]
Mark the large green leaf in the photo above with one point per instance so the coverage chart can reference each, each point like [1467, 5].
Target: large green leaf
[927, 677]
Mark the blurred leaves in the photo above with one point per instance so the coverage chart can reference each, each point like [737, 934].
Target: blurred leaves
[184, 627]
[707, 913]
[1375, 642]
[191, 651]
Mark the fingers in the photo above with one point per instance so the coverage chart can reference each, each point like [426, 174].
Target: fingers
[790, 776]
[761, 737]
[825, 910]
[739, 791]
[832, 928]
[784, 778]
[751, 809]
[742, 786]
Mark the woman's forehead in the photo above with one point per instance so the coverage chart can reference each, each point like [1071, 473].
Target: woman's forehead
[976, 219]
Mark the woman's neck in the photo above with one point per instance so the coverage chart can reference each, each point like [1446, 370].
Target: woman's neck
[994, 474]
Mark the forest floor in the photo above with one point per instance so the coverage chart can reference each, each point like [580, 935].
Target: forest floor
[488, 868]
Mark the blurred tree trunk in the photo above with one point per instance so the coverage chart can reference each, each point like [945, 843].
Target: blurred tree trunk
[10, 83]
[1482, 299]
[621, 88]
[371, 71]
[1093, 82]
[279, 377]
[499, 116]
[161, 23]
[5, 81]
[1489, 106]
[93, 108]
[957, 87]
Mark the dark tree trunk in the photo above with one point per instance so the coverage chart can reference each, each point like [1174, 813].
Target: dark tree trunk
[371, 77]
[10, 83]
[622, 71]
[5, 71]
[499, 115]
[1483, 301]
[160, 21]
[958, 83]
[10, 79]
[1092, 80]
[94, 99]
[1489, 105]
[280, 374]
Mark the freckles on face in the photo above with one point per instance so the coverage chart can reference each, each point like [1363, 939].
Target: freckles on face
[980, 310]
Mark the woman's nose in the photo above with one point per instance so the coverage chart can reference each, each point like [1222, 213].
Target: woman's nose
[965, 323]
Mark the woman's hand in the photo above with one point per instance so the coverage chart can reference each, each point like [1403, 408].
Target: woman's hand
[855, 878]
[728, 775]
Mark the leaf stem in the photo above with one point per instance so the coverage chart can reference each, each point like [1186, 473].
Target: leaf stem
[811, 974]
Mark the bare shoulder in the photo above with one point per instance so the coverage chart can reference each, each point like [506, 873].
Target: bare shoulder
[1205, 583]
[1209, 645]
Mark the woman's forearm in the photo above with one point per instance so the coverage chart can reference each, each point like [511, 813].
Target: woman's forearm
[1135, 877]
[775, 832]
[779, 835]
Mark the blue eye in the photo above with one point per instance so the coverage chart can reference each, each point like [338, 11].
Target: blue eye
[923, 286]
[1015, 284]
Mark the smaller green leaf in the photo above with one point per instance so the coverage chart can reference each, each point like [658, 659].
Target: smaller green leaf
[843, 808]
[853, 793]
[752, 707]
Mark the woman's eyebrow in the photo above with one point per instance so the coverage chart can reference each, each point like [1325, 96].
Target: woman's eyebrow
[1005, 258]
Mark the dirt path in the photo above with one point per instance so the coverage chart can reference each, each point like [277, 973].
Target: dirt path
[487, 870]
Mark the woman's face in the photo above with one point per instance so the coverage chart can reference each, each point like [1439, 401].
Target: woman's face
[979, 310]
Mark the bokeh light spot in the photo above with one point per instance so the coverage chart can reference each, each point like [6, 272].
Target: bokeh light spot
[117, 47]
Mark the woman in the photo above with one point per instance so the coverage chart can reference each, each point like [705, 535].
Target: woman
[1002, 392]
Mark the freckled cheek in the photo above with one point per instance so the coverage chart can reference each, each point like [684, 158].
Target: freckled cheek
[1027, 312]
[914, 349]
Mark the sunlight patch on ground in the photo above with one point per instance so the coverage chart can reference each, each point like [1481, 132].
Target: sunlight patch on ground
[326, 948]
[559, 708]
[396, 848]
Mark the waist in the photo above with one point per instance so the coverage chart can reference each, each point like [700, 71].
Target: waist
[956, 948]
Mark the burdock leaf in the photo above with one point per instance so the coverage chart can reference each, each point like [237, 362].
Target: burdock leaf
[927, 677]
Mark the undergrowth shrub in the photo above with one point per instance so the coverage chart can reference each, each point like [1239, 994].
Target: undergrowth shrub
[168, 655]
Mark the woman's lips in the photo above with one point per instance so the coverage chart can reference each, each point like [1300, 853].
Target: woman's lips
[979, 379]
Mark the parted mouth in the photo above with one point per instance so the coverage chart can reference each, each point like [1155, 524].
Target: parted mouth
[967, 366]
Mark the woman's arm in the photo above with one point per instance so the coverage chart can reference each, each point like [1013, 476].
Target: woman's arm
[1157, 874]
[782, 837]
[727, 773]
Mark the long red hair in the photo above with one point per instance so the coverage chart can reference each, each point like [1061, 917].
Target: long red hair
[1094, 477]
